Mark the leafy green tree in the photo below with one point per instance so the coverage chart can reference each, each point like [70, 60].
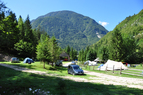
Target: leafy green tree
[24, 49]
[54, 49]
[43, 51]
[9, 32]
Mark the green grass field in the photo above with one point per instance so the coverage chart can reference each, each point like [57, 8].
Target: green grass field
[138, 70]
[19, 83]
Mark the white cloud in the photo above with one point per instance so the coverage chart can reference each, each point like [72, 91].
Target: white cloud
[103, 23]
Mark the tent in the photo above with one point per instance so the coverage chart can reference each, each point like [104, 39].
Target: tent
[91, 63]
[28, 60]
[113, 64]
[97, 60]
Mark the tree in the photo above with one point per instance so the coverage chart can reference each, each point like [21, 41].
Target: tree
[9, 32]
[21, 28]
[131, 48]
[54, 49]
[28, 31]
[81, 55]
[67, 50]
[116, 47]
[23, 48]
[43, 50]
[103, 53]
[91, 55]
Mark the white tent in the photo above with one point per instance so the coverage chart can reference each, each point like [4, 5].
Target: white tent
[92, 63]
[97, 60]
[109, 65]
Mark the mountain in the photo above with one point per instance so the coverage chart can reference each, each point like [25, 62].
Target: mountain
[70, 28]
[131, 26]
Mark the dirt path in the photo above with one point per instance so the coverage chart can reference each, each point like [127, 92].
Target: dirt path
[96, 77]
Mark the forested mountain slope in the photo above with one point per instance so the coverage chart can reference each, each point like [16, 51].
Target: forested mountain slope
[131, 26]
[70, 28]
[129, 40]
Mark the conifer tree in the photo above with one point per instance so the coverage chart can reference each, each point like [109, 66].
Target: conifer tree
[28, 30]
[21, 28]
[116, 47]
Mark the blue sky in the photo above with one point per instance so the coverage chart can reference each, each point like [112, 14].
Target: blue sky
[106, 12]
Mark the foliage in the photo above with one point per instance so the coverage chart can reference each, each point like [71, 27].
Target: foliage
[54, 49]
[128, 46]
[103, 53]
[43, 52]
[70, 28]
[116, 46]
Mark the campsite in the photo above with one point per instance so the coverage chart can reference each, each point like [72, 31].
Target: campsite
[60, 75]
[71, 47]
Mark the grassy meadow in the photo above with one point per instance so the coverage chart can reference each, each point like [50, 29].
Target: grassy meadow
[20, 83]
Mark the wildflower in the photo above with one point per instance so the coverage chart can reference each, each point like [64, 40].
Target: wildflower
[36, 90]
[30, 89]
[33, 92]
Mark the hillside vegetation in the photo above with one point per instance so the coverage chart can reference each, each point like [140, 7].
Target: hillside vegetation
[70, 28]
[131, 43]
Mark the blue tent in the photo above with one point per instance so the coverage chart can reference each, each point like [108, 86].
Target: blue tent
[100, 65]
[28, 60]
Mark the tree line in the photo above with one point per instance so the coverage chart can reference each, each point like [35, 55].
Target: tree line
[118, 47]
[17, 38]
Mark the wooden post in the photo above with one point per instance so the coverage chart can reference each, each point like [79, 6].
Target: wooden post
[121, 70]
[113, 68]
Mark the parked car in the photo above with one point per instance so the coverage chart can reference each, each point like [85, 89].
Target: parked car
[59, 63]
[14, 60]
[74, 69]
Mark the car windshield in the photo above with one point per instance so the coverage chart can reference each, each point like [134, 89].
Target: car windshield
[76, 67]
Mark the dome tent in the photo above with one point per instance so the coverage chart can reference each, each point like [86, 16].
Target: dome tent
[28, 60]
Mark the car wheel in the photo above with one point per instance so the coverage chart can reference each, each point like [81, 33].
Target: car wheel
[73, 73]
[68, 72]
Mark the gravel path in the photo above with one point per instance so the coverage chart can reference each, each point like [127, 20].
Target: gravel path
[96, 77]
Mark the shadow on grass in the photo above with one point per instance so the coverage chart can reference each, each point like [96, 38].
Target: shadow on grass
[14, 82]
